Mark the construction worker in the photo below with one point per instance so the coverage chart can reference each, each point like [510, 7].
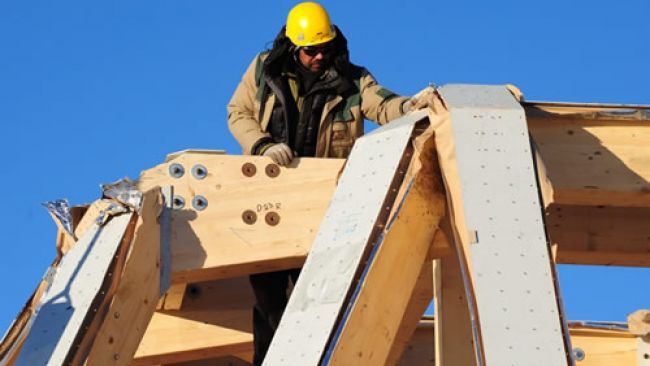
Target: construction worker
[303, 98]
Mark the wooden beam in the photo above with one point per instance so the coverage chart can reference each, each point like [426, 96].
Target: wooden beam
[506, 267]
[375, 319]
[215, 321]
[83, 217]
[219, 361]
[420, 350]
[231, 236]
[348, 258]
[420, 300]
[601, 347]
[137, 293]
[600, 235]
[593, 160]
[453, 328]
[68, 309]
[173, 299]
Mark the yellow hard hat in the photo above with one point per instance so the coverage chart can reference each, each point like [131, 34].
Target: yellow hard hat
[308, 25]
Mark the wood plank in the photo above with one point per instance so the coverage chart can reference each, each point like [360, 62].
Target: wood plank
[600, 235]
[420, 349]
[602, 347]
[173, 299]
[215, 321]
[219, 361]
[137, 293]
[594, 162]
[453, 328]
[420, 300]
[370, 330]
[216, 242]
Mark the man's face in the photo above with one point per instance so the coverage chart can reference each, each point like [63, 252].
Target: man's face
[315, 58]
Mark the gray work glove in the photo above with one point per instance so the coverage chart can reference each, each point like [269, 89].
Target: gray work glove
[426, 98]
[280, 153]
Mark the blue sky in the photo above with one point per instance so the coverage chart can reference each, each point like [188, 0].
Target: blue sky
[94, 91]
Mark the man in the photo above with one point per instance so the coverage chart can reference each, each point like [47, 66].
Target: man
[303, 98]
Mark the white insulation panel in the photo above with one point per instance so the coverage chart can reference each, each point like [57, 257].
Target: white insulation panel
[513, 275]
[76, 283]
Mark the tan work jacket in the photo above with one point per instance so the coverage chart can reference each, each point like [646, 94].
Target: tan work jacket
[341, 121]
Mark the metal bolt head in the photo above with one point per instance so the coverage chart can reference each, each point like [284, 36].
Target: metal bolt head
[578, 354]
[272, 170]
[199, 203]
[199, 171]
[272, 218]
[249, 169]
[249, 217]
[176, 170]
[193, 291]
[178, 202]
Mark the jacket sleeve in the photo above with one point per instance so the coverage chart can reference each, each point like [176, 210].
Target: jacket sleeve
[378, 103]
[243, 121]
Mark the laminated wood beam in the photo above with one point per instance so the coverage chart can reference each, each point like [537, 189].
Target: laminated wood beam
[420, 300]
[65, 324]
[600, 235]
[173, 298]
[594, 158]
[602, 347]
[598, 347]
[258, 216]
[215, 321]
[220, 361]
[453, 327]
[372, 326]
[420, 350]
[137, 292]
[349, 248]
[505, 261]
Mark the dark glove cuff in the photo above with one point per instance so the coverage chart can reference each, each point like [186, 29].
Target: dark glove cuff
[259, 147]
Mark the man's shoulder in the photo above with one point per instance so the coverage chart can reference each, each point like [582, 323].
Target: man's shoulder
[263, 55]
[260, 57]
[358, 71]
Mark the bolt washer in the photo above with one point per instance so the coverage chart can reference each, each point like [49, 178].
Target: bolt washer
[249, 217]
[249, 169]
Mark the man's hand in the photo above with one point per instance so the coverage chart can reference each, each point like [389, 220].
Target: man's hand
[280, 153]
[426, 98]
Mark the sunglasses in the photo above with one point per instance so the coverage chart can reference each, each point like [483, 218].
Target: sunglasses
[312, 51]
